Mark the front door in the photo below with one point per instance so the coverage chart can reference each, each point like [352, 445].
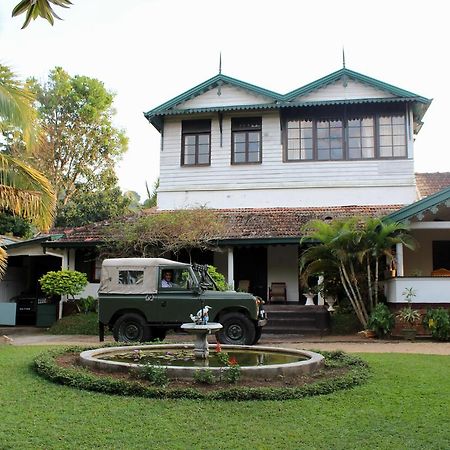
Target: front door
[250, 264]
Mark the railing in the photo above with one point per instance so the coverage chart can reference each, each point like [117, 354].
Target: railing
[427, 289]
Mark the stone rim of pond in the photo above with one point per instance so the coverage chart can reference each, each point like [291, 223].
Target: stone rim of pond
[315, 361]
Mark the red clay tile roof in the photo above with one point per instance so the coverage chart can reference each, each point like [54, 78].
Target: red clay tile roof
[247, 223]
[430, 183]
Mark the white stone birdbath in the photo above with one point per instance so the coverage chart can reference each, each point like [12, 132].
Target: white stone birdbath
[201, 333]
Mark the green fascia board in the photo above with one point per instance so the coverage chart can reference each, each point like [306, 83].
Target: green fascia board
[259, 241]
[331, 78]
[283, 105]
[39, 240]
[72, 244]
[409, 211]
[205, 86]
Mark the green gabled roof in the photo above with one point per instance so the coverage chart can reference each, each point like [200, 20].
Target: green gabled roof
[335, 76]
[204, 87]
[420, 207]
[155, 116]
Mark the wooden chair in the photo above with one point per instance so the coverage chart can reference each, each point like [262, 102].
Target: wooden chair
[277, 292]
[440, 273]
[244, 285]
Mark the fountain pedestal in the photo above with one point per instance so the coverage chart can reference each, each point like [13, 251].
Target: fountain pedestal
[201, 334]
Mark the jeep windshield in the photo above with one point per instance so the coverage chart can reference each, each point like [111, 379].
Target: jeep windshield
[203, 277]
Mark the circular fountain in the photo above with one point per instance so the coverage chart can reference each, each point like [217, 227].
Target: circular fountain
[256, 362]
[182, 361]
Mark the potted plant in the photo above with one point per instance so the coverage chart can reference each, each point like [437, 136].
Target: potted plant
[381, 320]
[409, 316]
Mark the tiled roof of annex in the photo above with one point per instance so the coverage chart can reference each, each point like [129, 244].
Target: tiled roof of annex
[243, 223]
[429, 183]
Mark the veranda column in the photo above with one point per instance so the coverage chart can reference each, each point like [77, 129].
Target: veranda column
[399, 253]
[230, 277]
[320, 300]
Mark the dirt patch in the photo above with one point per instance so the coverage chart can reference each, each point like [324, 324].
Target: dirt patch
[72, 360]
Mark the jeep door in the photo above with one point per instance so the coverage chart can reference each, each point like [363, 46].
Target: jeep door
[175, 300]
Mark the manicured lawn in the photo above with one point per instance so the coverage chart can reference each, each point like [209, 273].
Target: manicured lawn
[405, 405]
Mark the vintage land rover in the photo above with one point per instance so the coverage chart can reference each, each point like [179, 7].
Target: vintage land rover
[140, 299]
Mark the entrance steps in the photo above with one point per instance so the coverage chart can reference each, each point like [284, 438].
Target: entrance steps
[296, 319]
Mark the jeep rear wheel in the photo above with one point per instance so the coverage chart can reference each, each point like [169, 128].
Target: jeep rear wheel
[237, 330]
[131, 327]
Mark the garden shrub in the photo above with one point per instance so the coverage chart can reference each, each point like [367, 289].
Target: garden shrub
[205, 376]
[381, 321]
[45, 365]
[438, 322]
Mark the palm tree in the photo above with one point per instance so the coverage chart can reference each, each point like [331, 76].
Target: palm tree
[23, 190]
[36, 8]
[352, 247]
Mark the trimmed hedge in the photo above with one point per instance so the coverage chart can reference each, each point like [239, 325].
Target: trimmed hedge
[81, 378]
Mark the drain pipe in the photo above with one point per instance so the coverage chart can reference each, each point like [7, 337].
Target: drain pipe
[64, 265]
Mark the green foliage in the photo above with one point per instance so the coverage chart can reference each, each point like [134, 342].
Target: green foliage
[15, 225]
[87, 207]
[409, 315]
[218, 278]
[41, 8]
[205, 376]
[46, 366]
[159, 233]
[151, 201]
[156, 375]
[88, 304]
[76, 114]
[438, 322]
[381, 320]
[63, 282]
[84, 324]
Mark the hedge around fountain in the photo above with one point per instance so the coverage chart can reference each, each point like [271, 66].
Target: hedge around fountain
[46, 366]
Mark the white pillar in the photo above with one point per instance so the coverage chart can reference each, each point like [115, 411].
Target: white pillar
[399, 253]
[64, 266]
[230, 277]
[320, 300]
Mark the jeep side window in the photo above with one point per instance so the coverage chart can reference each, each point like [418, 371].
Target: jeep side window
[131, 276]
[176, 279]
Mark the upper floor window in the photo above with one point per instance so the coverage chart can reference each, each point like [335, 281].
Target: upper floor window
[363, 137]
[246, 139]
[392, 136]
[196, 143]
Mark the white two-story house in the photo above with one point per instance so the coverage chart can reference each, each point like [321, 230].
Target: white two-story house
[342, 145]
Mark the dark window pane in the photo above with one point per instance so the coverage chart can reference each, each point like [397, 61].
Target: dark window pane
[239, 137]
[189, 140]
[203, 158]
[337, 153]
[323, 154]
[239, 157]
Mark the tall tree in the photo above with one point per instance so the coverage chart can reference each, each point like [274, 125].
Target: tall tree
[81, 145]
[24, 191]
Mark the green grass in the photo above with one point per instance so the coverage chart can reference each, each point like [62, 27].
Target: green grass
[404, 405]
[76, 324]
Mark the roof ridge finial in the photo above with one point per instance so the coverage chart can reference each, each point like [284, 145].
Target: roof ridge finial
[220, 63]
[343, 57]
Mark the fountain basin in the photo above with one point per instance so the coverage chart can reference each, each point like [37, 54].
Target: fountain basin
[307, 362]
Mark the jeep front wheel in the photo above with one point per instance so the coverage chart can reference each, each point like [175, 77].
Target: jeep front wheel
[237, 330]
[131, 328]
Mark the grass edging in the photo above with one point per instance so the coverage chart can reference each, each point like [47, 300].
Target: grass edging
[45, 365]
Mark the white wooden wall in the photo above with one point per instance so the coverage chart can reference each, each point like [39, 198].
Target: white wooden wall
[274, 183]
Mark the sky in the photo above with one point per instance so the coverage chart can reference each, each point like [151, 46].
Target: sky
[149, 51]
